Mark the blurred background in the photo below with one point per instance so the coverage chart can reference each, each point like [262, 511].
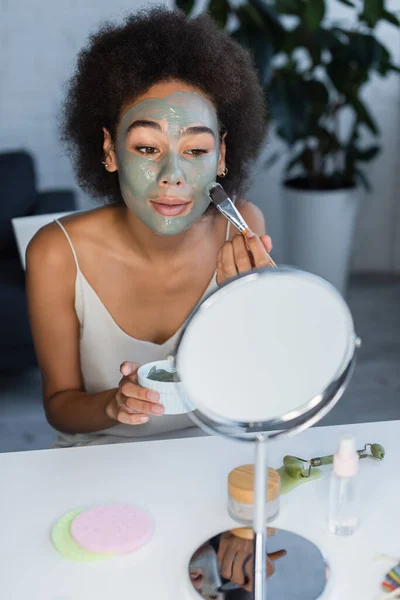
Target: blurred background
[327, 179]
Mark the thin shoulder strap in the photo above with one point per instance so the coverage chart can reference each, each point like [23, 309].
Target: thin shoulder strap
[69, 241]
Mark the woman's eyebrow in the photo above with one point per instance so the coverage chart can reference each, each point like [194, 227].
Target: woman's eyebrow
[191, 130]
[195, 129]
[143, 123]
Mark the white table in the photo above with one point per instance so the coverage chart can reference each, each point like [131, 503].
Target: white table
[183, 485]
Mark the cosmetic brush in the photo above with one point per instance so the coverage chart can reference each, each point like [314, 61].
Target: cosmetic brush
[225, 206]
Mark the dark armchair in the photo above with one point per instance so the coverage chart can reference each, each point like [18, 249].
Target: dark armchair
[19, 197]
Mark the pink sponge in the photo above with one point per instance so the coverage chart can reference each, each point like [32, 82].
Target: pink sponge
[112, 529]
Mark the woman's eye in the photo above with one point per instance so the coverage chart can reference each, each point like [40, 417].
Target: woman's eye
[146, 150]
[197, 152]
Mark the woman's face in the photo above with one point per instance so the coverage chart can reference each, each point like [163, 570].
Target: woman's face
[167, 150]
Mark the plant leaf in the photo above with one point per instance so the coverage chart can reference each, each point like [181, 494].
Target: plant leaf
[271, 160]
[294, 39]
[390, 18]
[348, 3]
[346, 75]
[364, 49]
[267, 10]
[383, 65]
[263, 52]
[327, 140]
[360, 176]
[372, 12]
[314, 41]
[307, 160]
[219, 11]
[367, 154]
[261, 32]
[185, 5]
[271, 23]
[325, 38]
[260, 44]
[250, 15]
[364, 116]
[289, 7]
[317, 96]
[314, 11]
[295, 160]
[288, 105]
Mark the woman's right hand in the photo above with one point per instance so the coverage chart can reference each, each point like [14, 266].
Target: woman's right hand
[132, 404]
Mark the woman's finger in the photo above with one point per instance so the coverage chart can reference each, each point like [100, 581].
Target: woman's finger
[223, 546]
[260, 255]
[131, 378]
[242, 258]
[226, 259]
[141, 406]
[131, 419]
[267, 241]
[129, 368]
[238, 570]
[133, 390]
[228, 560]
[270, 567]
[277, 554]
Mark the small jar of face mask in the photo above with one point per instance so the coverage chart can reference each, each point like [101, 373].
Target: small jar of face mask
[241, 494]
[172, 394]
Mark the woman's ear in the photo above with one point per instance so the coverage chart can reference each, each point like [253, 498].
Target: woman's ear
[222, 154]
[110, 159]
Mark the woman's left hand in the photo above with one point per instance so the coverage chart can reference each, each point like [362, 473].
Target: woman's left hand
[240, 255]
[236, 558]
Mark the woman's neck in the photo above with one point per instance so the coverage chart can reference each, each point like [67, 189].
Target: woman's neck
[152, 246]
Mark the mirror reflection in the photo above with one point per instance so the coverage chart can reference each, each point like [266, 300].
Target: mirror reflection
[222, 568]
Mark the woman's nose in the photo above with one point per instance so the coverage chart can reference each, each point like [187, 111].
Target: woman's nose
[171, 173]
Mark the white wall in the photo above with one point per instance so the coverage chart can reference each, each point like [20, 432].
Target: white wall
[39, 41]
[378, 232]
[38, 45]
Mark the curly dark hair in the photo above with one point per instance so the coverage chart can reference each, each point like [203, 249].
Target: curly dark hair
[122, 62]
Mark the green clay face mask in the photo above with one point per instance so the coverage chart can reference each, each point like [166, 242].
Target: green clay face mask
[167, 152]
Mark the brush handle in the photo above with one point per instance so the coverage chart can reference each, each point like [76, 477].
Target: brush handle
[272, 262]
[230, 212]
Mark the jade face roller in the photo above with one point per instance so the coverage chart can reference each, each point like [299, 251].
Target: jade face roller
[300, 467]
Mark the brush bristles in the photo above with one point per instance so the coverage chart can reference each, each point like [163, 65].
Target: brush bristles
[217, 194]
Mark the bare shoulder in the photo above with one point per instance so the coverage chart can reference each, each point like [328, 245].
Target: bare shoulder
[49, 247]
[50, 270]
[253, 216]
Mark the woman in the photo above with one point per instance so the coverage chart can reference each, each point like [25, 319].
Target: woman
[157, 108]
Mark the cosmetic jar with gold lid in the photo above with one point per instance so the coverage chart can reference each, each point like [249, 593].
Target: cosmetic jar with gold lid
[241, 494]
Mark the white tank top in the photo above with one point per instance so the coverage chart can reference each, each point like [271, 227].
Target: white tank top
[103, 347]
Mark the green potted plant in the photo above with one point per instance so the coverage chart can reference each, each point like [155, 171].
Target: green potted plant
[314, 72]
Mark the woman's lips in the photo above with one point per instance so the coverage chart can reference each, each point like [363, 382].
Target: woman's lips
[171, 208]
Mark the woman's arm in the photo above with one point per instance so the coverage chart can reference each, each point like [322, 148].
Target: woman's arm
[51, 275]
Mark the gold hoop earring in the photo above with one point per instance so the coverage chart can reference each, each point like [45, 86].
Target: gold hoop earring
[224, 173]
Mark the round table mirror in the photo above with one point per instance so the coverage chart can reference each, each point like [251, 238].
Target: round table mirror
[266, 355]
